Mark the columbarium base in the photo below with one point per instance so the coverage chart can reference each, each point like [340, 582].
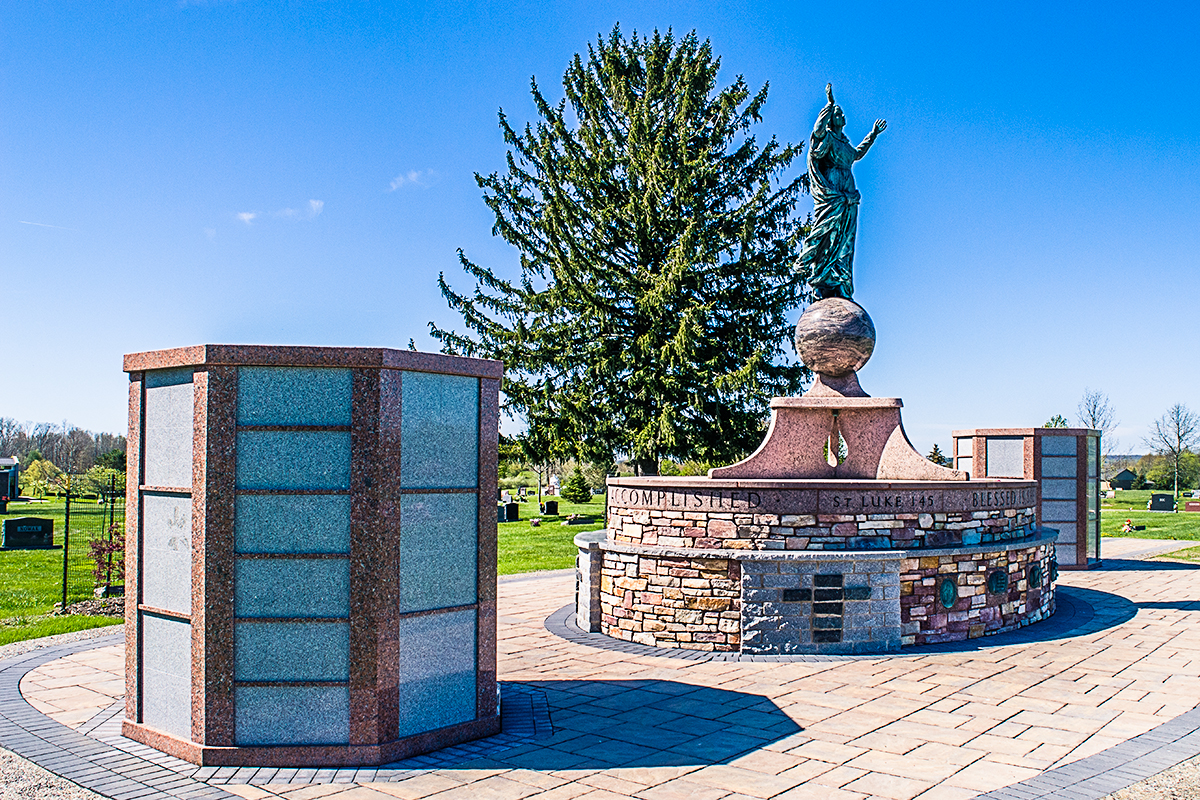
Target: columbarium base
[790, 553]
[311, 565]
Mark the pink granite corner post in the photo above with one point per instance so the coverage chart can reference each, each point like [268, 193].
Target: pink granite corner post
[289, 527]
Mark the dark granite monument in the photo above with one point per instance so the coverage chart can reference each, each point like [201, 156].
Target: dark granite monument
[28, 533]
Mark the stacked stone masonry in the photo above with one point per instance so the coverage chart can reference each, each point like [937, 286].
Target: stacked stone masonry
[708, 530]
[796, 567]
[689, 603]
[993, 592]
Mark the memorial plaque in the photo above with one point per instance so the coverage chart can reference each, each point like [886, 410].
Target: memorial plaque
[28, 533]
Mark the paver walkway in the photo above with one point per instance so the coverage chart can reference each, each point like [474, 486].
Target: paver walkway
[1078, 713]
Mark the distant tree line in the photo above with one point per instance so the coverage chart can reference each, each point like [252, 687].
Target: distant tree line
[71, 449]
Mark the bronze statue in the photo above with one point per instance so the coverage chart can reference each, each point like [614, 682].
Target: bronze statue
[828, 251]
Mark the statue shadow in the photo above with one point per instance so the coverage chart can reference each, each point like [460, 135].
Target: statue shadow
[603, 724]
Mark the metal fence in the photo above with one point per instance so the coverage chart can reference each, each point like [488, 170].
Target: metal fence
[93, 545]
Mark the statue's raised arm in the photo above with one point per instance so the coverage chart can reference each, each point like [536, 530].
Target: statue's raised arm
[828, 255]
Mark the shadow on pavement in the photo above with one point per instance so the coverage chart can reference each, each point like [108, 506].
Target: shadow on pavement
[645, 723]
[1131, 565]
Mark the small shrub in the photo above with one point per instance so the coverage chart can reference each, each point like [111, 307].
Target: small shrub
[577, 489]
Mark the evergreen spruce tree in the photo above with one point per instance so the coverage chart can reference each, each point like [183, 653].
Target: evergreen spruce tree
[938, 457]
[577, 489]
[657, 244]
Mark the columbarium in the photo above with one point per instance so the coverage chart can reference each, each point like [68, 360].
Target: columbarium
[311, 569]
[835, 536]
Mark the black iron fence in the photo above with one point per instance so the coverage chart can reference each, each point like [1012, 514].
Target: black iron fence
[93, 545]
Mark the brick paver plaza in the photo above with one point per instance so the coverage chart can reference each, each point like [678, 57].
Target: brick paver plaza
[1080, 709]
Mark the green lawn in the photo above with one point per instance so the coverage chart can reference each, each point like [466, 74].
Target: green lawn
[524, 548]
[31, 583]
[1186, 554]
[1131, 505]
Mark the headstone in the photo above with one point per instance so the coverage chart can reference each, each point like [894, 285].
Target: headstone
[1192, 505]
[1161, 502]
[512, 512]
[552, 508]
[28, 533]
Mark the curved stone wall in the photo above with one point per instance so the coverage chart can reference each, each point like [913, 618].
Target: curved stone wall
[801, 566]
[818, 515]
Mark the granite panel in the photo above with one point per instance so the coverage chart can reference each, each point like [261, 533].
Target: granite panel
[1093, 446]
[438, 534]
[168, 428]
[292, 460]
[167, 552]
[1058, 467]
[965, 464]
[292, 587]
[964, 445]
[133, 450]
[287, 715]
[1005, 457]
[1058, 511]
[292, 523]
[166, 675]
[1058, 489]
[213, 557]
[437, 671]
[439, 431]
[1058, 445]
[292, 651]
[293, 396]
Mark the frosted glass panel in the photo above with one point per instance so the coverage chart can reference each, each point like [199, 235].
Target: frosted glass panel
[1005, 458]
[292, 651]
[437, 671]
[170, 406]
[167, 552]
[292, 523]
[438, 550]
[439, 431]
[167, 675]
[292, 715]
[1058, 489]
[1058, 467]
[316, 460]
[292, 587]
[1058, 511]
[293, 396]
[1058, 445]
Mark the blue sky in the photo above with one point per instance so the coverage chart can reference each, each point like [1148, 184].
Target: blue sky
[175, 173]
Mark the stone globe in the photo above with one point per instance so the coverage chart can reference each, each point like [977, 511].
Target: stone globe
[835, 337]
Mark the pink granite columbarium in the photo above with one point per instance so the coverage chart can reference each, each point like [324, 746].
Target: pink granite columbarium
[311, 560]
[796, 550]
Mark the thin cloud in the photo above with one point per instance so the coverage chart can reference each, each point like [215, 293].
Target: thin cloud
[247, 216]
[45, 225]
[315, 207]
[414, 177]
